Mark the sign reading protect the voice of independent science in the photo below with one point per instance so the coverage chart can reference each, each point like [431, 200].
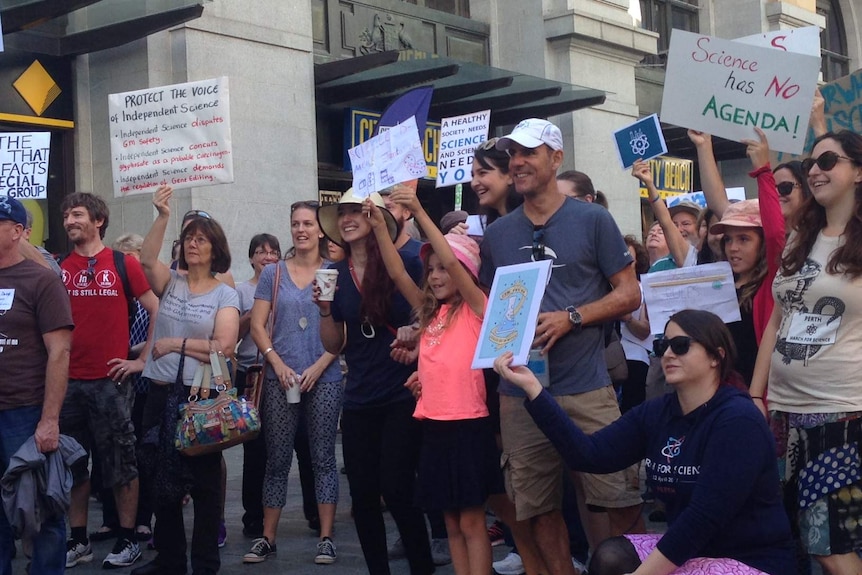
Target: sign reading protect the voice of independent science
[176, 135]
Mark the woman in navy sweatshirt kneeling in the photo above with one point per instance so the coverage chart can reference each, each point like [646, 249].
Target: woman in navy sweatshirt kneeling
[708, 452]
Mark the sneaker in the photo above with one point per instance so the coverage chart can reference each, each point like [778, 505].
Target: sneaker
[396, 551]
[77, 553]
[222, 535]
[125, 553]
[260, 550]
[580, 568]
[511, 564]
[495, 533]
[440, 552]
[325, 552]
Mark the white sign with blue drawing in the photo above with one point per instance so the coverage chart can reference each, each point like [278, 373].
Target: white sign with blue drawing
[391, 157]
[642, 140]
[512, 313]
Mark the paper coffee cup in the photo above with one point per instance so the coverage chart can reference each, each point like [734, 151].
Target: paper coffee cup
[326, 280]
[294, 394]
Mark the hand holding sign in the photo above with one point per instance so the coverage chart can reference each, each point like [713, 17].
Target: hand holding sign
[757, 150]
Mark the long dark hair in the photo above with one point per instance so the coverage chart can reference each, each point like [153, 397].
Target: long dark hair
[709, 330]
[705, 255]
[490, 158]
[811, 218]
[795, 168]
[377, 287]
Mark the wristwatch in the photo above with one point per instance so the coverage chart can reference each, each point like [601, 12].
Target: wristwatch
[575, 318]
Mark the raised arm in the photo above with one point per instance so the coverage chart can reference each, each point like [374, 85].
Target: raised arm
[710, 178]
[158, 274]
[391, 258]
[677, 244]
[469, 290]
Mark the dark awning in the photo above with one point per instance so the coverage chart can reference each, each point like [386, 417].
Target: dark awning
[74, 27]
[459, 87]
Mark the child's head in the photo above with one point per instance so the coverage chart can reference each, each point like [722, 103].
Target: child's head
[614, 556]
[438, 286]
[465, 249]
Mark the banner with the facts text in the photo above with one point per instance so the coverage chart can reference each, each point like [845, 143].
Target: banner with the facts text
[24, 164]
[175, 135]
[728, 88]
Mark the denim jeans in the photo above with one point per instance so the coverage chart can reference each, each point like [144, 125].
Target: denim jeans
[49, 547]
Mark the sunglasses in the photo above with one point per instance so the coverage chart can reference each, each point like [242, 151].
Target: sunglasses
[679, 345]
[310, 204]
[538, 243]
[786, 188]
[91, 269]
[196, 214]
[825, 162]
[488, 145]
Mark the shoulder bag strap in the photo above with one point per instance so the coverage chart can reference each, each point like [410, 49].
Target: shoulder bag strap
[258, 393]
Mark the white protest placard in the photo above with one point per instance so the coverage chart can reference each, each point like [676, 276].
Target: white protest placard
[459, 136]
[728, 88]
[513, 309]
[707, 287]
[799, 40]
[391, 157]
[176, 135]
[733, 194]
[24, 164]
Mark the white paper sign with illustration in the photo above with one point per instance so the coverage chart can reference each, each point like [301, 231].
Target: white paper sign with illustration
[391, 157]
[708, 287]
[727, 88]
[512, 313]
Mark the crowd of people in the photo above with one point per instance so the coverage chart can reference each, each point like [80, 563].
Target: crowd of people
[747, 432]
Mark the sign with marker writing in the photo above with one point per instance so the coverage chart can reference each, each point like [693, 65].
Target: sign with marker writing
[728, 88]
[391, 157]
[24, 164]
[800, 40]
[459, 136]
[175, 135]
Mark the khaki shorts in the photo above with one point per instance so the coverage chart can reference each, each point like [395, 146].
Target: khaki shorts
[533, 468]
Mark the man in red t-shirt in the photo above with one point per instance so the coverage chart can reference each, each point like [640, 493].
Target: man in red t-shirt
[35, 335]
[97, 410]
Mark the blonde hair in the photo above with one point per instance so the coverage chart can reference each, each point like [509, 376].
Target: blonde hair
[128, 243]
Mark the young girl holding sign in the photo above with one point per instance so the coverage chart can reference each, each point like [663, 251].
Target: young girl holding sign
[458, 467]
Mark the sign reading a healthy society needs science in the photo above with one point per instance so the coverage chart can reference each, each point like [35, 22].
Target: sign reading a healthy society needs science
[728, 88]
[459, 136]
[24, 164]
[175, 135]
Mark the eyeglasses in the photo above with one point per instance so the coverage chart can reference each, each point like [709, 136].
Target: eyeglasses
[786, 188]
[538, 243]
[196, 214]
[198, 240]
[825, 162]
[271, 253]
[91, 269]
[488, 145]
[679, 345]
[310, 204]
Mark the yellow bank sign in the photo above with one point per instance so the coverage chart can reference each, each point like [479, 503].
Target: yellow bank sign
[672, 176]
[359, 127]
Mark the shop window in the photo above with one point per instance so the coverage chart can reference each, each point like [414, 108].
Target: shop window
[835, 62]
[662, 16]
[456, 7]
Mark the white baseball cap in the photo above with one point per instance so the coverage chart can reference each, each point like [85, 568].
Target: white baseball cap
[532, 133]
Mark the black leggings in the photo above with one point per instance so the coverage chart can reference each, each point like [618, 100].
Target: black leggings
[381, 448]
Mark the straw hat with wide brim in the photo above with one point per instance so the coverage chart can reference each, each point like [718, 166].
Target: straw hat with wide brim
[327, 216]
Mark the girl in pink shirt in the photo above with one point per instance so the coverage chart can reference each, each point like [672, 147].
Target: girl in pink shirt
[458, 467]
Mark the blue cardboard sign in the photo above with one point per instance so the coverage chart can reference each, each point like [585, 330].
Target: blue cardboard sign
[640, 141]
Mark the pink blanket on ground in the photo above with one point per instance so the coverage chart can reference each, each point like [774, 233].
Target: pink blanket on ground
[644, 544]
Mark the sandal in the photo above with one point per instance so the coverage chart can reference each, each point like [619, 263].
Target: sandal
[143, 533]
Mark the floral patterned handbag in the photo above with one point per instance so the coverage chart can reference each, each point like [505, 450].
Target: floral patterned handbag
[212, 425]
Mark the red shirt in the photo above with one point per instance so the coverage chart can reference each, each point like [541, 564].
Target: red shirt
[100, 311]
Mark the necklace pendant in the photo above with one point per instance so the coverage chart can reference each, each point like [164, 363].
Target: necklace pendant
[303, 323]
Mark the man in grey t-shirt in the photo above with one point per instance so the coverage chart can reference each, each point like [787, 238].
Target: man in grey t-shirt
[589, 255]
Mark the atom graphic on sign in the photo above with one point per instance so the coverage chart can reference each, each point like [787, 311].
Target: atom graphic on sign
[639, 142]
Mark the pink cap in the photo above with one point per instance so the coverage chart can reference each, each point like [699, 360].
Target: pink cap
[465, 249]
[744, 214]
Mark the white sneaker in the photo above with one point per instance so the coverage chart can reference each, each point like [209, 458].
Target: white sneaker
[77, 553]
[125, 553]
[511, 564]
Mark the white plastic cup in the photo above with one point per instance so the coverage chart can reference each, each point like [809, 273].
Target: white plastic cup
[326, 279]
[294, 394]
